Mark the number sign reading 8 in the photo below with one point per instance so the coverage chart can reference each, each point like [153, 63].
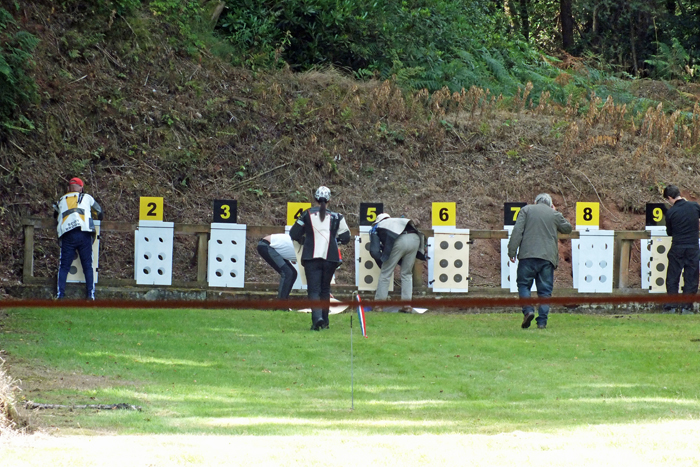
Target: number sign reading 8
[444, 214]
[588, 214]
[225, 211]
[150, 209]
[369, 212]
[294, 210]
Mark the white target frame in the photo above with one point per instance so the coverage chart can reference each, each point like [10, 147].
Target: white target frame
[366, 270]
[226, 255]
[595, 255]
[450, 261]
[153, 253]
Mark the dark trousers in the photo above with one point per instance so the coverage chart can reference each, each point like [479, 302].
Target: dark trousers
[286, 270]
[541, 272]
[71, 241]
[319, 274]
[686, 259]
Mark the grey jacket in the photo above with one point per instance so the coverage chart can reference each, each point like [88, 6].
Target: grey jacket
[535, 233]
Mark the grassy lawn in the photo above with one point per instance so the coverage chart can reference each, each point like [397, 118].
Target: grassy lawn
[242, 372]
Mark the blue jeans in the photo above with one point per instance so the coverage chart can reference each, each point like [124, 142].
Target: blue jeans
[319, 274]
[71, 241]
[542, 272]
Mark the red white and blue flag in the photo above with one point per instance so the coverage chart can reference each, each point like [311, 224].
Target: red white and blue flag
[361, 316]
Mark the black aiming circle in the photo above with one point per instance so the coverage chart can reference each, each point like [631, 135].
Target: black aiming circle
[661, 249]
[73, 270]
[444, 245]
[458, 263]
[659, 281]
[459, 245]
[367, 246]
[369, 279]
[443, 278]
[660, 267]
[444, 263]
[458, 278]
[369, 264]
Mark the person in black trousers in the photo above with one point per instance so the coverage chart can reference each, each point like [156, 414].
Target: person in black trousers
[278, 251]
[682, 221]
[320, 231]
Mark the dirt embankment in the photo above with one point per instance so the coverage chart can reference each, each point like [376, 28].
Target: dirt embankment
[133, 116]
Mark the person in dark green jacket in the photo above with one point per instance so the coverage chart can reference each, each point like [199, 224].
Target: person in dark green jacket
[534, 239]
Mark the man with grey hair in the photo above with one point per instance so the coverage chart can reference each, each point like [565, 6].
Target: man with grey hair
[534, 239]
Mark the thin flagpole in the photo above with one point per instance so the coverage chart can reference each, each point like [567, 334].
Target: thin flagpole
[352, 372]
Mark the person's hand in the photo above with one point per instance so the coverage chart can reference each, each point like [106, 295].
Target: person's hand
[554, 207]
[512, 260]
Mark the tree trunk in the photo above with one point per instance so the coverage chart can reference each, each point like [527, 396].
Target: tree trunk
[567, 25]
[525, 19]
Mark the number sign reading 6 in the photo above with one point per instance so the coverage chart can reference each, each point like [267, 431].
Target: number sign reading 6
[150, 209]
[369, 212]
[588, 214]
[294, 210]
[511, 211]
[656, 214]
[225, 211]
[444, 214]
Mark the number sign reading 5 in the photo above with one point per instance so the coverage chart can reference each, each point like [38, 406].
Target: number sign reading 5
[294, 210]
[225, 211]
[369, 212]
[511, 211]
[656, 214]
[150, 209]
[588, 214]
[444, 214]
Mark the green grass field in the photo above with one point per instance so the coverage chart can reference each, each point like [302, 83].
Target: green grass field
[242, 372]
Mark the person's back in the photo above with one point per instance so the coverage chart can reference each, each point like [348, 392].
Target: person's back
[535, 233]
[682, 223]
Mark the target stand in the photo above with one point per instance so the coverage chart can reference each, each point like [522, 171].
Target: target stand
[448, 263]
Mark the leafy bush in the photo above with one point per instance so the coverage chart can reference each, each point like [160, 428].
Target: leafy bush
[16, 85]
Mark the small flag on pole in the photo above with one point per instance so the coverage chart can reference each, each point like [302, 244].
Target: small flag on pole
[361, 316]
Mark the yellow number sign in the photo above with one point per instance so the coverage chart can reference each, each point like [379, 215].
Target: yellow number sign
[588, 214]
[150, 209]
[294, 210]
[444, 214]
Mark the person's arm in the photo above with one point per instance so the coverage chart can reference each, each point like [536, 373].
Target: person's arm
[97, 209]
[517, 236]
[297, 230]
[563, 225]
[375, 247]
[343, 235]
[669, 223]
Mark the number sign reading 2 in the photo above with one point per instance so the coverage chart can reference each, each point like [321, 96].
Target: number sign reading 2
[294, 210]
[225, 211]
[150, 209]
[444, 214]
[656, 214]
[588, 214]
[511, 211]
[369, 212]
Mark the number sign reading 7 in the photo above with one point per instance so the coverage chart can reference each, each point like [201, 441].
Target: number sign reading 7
[511, 211]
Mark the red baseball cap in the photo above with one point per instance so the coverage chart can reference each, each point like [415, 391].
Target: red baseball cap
[75, 181]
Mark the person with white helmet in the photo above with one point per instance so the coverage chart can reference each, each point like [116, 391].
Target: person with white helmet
[76, 231]
[320, 231]
[394, 241]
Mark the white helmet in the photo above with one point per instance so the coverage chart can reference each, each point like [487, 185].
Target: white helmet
[381, 217]
[323, 192]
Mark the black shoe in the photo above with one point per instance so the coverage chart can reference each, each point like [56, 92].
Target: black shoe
[669, 311]
[316, 327]
[541, 326]
[324, 325]
[687, 311]
[527, 320]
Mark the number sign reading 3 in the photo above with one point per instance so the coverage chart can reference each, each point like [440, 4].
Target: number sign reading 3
[656, 214]
[294, 210]
[225, 211]
[150, 209]
[587, 214]
[369, 212]
[444, 214]
[511, 211]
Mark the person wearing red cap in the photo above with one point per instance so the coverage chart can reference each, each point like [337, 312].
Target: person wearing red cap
[76, 231]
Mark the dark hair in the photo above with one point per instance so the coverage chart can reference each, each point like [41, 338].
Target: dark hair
[671, 191]
[322, 211]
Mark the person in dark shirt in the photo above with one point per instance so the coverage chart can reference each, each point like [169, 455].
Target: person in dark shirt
[682, 222]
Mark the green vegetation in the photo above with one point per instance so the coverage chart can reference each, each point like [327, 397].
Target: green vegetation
[16, 85]
[264, 373]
